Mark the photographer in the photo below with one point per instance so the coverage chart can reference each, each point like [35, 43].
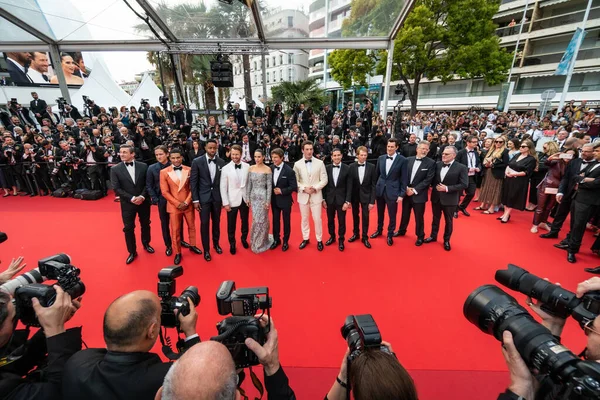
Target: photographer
[21, 374]
[92, 154]
[11, 156]
[125, 369]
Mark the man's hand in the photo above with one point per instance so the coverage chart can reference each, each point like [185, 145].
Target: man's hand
[554, 324]
[409, 191]
[197, 207]
[227, 208]
[585, 180]
[268, 355]
[182, 206]
[399, 200]
[345, 206]
[324, 203]
[53, 318]
[188, 322]
[137, 200]
[559, 198]
[371, 206]
[277, 191]
[13, 268]
[588, 286]
[440, 187]
[522, 382]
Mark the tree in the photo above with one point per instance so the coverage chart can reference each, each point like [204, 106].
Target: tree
[292, 94]
[439, 39]
[371, 17]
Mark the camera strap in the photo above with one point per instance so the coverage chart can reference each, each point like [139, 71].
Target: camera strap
[257, 384]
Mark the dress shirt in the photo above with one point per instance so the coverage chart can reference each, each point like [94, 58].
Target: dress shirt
[388, 163]
[90, 158]
[308, 165]
[37, 77]
[212, 167]
[584, 164]
[246, 152]
[177, 172]
[361, 172]
[131, 171]
[445, 170]
[415, 169]
[336, 173]
[238, 171]
[471, 161]
[276, 173]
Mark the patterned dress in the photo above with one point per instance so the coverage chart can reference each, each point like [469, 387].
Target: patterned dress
[258, 189]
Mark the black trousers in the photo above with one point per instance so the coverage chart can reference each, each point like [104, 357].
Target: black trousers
[244, 211]
[287, 218]
[392, 208]
[469, 192]
[580, 215]
[363, 208]
[419, 210]
[128, 215]
[95, 174]
[332, 210]
[164, 222]
[448, 212]
[210, 212]
[562, 212]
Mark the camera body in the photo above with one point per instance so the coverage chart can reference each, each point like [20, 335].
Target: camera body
[361, 333]
[168, 302]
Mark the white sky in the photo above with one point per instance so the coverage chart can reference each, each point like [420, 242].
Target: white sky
[124, 65]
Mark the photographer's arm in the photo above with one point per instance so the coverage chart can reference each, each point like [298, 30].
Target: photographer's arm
[522, 383]
[187, 325]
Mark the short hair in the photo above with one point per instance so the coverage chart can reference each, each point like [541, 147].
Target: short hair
[211, 141]
[236, 147]
[138, 321]
[128, 147]
[424, 143]
[335, 137]
[362, 148]
[393, 140]
[336, 149]
[277, 151]
[471, 137]
[307, 143]
[176, 150]
[453, 148]
[163, 148]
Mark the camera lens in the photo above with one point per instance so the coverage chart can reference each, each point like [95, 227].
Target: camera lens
[191, 292]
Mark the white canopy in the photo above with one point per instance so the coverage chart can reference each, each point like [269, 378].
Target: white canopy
[101, 88]
[146, 90]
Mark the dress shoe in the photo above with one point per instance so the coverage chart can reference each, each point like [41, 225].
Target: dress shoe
[149, 248]
[419, 242]
[390, 241]
[131, 257]
[398, 233]
[375, 234]
[275, 244]
[549, 235]
[196, 250]
[561, 246]
[366, 243]
[245, 243]
[320, 246]
[303, 244]
[341, 245]
[185, 244]
[571, 258]
[207, 255]
[429, 240]
[592, 270]
[232, 249]
[353, 238]
[218, 249]
[177, 259]
[503, 221]
[464, 211]
[455, 214]
[330, 241]
[285, 247]
[447, 246]
[169, 251]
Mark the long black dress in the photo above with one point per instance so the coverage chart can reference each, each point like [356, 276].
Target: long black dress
[514, 190]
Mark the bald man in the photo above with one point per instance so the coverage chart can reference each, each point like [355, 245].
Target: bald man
[125, 369]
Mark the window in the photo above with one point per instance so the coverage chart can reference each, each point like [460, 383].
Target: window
[290, 22]
[267, 60]
[267, 77]
[255, 80]
[290, 58]
[281, 75]
[280, 59]
[255, 66]
[274, 63]
[290, 74]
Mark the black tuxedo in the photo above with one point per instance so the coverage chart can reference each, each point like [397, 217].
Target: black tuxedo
[38, 107]
[390, 186]
[424, 174]
[409, 150]
[362, 195]
[18, 77]
[282, 203]
[303, 119]
[207, 193]
[328, 117]
[456, 179]
[470, 160]
[74, 113]
[586, 199]
[126, 189]
[335, 196]
[153, 188]
[239, 118]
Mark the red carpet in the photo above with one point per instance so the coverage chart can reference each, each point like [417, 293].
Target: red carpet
[415, 294]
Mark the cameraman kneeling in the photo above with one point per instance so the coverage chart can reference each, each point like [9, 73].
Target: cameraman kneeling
[19, 356]
[125, 369]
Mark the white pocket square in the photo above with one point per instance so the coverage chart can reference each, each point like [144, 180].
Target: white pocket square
[424, 169]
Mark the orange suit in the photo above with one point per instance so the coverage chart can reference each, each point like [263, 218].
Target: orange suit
[177, 191]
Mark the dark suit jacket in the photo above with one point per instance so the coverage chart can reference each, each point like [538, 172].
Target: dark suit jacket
[423, 178]
[153, 182]
[239, 118]
[287, 183]
[342, 193]
[571, 177]
[40, 108]
[203, 190]
[457, 179]
[125, 188]
[589, 192]
[16, 75]
[409, 150]
[365, 192]
[463, 157]
[394, 183]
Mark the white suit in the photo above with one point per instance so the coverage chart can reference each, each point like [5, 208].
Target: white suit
[314, 176]
[233, 184]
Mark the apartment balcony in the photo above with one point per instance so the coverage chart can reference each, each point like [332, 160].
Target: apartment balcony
[335, 25]
[315, 16]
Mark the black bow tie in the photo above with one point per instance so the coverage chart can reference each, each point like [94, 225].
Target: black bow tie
[238, 166]
[277, 168]
[211, 160]
[129, 164]
[418, 159]
[389, 158]
[446, 165]
[177, 168]
[336, 166]
[587, 162]
[361, 165]
[307, 161]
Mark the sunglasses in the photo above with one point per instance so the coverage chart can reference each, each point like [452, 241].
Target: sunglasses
[524, 147]
[499, 141]
[588, 328]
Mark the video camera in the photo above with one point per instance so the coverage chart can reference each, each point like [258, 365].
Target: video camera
[61, 103]
[143, 102]
[164, 101]
[168, 302]
[88, 102]
[242, 304]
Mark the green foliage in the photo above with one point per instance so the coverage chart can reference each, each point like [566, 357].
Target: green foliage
[350, 64]
[371, 17]
[292, 94]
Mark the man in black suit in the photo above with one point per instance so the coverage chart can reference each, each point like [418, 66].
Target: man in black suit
[337, 195]
[328, 115]
[451, 178]
[37, 106]
[17, 64]
[128, 180]
[206, 195]
[284, 184]
[410, 148]
[469, 157]
[131, 327]
[302, 118]
[248, 149]
[238, 116]
[390, 188]
[72, 112]
[421, 171]
[364, 179]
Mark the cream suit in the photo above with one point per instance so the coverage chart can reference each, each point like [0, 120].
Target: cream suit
[314, 175]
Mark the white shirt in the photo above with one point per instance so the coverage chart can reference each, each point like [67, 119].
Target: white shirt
[336, 173]
[445, 170]
[471, 160]
[212, 167]
[36, 76]
[131, 171]
[308, 165]
[361, 172]
[415, 169]
[177, 172]
[388, 163]
[90, 159]
[276, 173]
[246, 152]
[238, 171]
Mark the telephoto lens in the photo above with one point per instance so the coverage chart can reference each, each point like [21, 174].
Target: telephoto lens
[190, 292]
[27, 278]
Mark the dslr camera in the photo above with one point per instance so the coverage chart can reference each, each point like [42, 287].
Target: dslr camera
[57, 267]
[242, 304]
[61, 103]
[169, 302]
[361, 333]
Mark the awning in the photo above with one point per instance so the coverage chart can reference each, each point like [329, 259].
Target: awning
[514, 11]
[551, 73]
[551, 2]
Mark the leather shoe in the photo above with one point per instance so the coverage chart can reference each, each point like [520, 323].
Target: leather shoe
[390, 241]
[207, 256]
[429, 240]
[218, 249]
[455, 214]
[131, 257]
[185, 244]
[320, 246]
[375, 234]
[571, 258]
[196, 250]
[592, 270]
[341, 245]
[398, 233]
[285, 247]
[366, 243]
[245, 243]
[419, 242]
[177, 259]
[561, 246]
[149, 248]
[447, 246]
[275, 244]
[353, 238]
[232, 249]
[303, 244]
[549, 235]
[169, 251]
[464, 211]
[330, 241]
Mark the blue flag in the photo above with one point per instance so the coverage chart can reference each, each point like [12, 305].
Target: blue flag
[567, 58]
